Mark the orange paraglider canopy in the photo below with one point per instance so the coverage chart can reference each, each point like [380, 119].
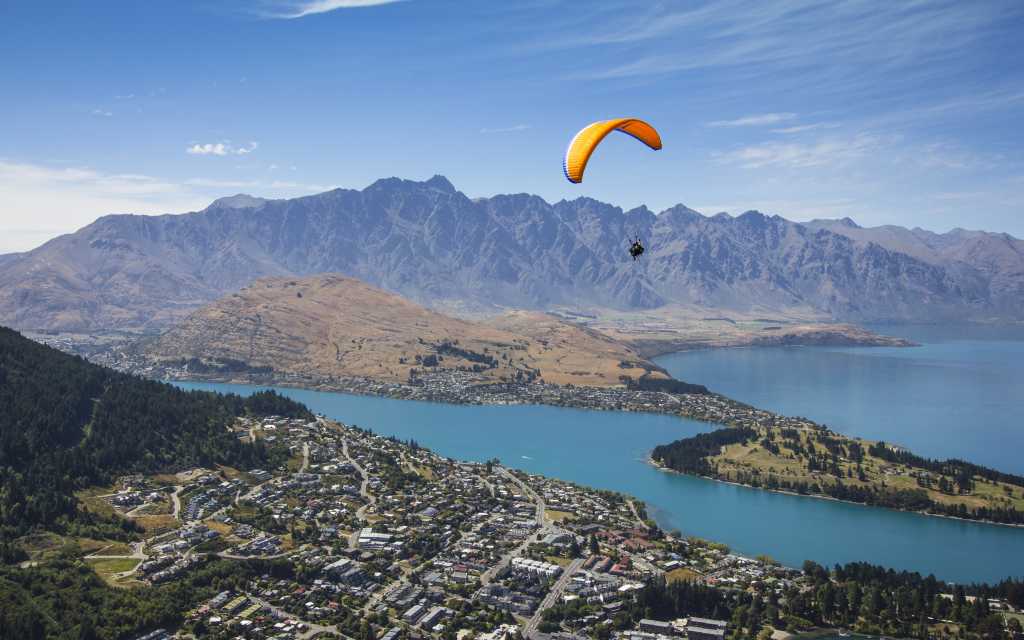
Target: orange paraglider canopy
[583, 143]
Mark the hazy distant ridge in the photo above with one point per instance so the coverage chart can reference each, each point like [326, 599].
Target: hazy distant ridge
[431, 243]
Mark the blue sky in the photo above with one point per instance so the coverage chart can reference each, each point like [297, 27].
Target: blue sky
[905, 113]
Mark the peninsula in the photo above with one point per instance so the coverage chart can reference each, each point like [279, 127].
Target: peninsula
[812, 460]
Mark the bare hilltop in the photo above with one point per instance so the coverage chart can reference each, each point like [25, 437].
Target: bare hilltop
[334, 326]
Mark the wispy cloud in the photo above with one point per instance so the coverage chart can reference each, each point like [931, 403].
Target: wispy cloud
[518, 127]
[292, 10]
[102, 112]
[755, 120]
[42, 202]
[275, 185]
[827, 151]
[872, 149]
[801, 128]
[45, 201]
[789, 33]
[220, 149]
[124, 96]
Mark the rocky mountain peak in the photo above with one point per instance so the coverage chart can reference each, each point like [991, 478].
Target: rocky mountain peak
[238, 201]
[440, 183]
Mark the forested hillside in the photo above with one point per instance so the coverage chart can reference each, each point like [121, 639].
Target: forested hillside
[65, 599]
[67, 424]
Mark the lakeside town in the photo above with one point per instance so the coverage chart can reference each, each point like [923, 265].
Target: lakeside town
[416, 545]
[386, 540]
[466, 387]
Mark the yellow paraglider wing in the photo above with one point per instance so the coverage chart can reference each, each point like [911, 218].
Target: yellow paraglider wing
[583, 143]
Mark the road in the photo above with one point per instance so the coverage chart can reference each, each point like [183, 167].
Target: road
[525, 488]
[176, 500]
[545, 528]
[364, 490]
[639, 522]
[488, 484]
[553, 596]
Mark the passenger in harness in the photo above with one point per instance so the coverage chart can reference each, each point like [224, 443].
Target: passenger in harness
[636, 249]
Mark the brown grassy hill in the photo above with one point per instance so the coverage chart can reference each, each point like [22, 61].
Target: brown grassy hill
[332, 325]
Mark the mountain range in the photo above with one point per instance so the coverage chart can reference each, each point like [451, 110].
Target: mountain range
[431, 243]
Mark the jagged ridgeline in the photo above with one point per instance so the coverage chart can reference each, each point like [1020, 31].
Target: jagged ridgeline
[67, 424]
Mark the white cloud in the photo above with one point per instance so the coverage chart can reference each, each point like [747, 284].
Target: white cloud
[291, 10]
[220, 149]
[125, 96]
[209, 149]
[102, 112]
[518, 127]
[754, 121]
[42, 202]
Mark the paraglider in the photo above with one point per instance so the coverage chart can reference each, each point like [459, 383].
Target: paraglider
[636, 249]
[583, 143]
[582, 146]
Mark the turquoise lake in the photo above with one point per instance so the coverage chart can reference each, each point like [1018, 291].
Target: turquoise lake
[608, 450]
[958, 395]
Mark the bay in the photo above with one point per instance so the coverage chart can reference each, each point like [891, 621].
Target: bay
[958, 395]
[608, 450]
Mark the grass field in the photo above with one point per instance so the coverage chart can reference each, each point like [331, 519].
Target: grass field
[90, 498]
[113, 549]
[294, 463]
[230, 473]
[40, 546]
[108, 570]
[155, 525]
[113, 565]
[560, 561]
[156, 508]
[682, 574]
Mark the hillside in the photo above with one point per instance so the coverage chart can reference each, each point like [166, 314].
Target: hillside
[816, 461]
[333, 326]
[432, 244]
[66, 424]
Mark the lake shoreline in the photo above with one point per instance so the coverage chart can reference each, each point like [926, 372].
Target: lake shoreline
[366, 388]
[819, 496]
[606, 450]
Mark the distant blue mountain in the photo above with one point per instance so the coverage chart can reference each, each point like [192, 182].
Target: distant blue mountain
[429, 242]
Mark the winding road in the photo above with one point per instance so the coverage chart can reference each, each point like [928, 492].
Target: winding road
[364, 490]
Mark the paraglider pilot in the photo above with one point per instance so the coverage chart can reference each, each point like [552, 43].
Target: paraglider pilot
[582, 146]
[636, 249]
